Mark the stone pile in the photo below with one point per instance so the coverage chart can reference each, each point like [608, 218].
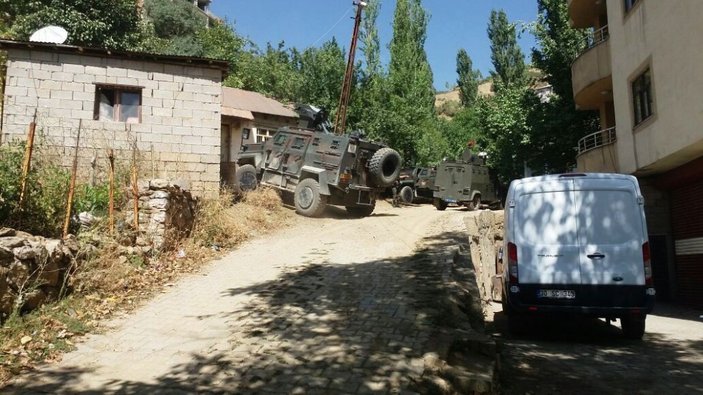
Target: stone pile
[166, 213]
[486, 237]
[33, 269]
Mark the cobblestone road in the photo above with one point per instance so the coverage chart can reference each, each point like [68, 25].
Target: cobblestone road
[590, 357]
[332, 305]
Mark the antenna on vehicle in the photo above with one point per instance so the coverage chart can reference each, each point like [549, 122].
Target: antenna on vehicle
[50, 34]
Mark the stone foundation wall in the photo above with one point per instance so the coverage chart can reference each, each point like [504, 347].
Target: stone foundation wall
[485, 238]
[166, 213]
[33, 270]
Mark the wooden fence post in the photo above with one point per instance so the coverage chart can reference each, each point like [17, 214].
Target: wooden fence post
[72, 187]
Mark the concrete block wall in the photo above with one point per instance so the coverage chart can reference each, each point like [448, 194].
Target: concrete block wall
[179, 133]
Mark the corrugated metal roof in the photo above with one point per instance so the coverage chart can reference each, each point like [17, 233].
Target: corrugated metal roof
[233, 98]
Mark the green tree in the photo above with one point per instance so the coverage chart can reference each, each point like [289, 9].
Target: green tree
[103, 24]
[507, 57]
[322, 71]
[463, 127]
[506, 131]
[557, 124]
[468, 78]
[410, 90]
[177, 24]
[221, 41]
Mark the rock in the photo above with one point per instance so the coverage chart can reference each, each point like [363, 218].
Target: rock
[50, 274]
[5, 232]
[143, 186]
[158, 204]
[123, 259]
[87, 220]
[26, 253]
[18, 275]
[7, 302]
[34, 299]
[6, 256]
[160, 195]
[12, 242]
[158, 183]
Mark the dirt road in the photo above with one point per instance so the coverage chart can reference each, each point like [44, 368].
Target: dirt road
[590, 357]
[331, 305]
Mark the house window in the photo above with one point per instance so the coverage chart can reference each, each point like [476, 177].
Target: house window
[264, 134]
[642, 97]
[629, 4]
[117, 103]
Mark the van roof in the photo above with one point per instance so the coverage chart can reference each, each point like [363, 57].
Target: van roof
[597, 176]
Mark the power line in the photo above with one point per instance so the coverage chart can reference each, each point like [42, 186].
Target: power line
[333, 26]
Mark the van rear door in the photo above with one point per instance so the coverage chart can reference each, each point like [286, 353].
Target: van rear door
[612, 231]
[546, 233]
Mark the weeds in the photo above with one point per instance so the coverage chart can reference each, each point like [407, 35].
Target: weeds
[110, 280]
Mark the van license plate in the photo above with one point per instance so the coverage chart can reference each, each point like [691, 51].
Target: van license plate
[556, 293]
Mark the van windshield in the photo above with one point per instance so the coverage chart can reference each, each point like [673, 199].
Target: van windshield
[546, 218]
[608, 217]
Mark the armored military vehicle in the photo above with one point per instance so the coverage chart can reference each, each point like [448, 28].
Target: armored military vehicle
[320, 168]
[465, 182]
[416, 183]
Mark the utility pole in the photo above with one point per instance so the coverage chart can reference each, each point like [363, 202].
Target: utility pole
[341, 118]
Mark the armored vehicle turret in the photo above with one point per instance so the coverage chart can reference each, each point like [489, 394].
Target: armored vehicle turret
[320, 168]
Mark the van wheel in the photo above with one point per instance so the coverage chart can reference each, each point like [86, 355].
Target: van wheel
[308, 200]
[440, 204]
[406, 194]
[517, 323]
[246, 178]
[633, 327]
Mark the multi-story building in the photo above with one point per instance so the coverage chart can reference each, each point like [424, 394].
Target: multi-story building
[643, 72]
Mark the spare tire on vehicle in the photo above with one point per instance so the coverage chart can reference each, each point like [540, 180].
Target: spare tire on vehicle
[384, 167]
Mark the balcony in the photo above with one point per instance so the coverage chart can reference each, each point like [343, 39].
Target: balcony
[584, 13]
[591, 72]
[597, 152]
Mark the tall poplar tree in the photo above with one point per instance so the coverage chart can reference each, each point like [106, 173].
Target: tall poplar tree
[412, 128]
[507, 57]
[557, 124]
[468, 78]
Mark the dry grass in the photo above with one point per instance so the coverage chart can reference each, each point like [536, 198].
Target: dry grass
[110, 281]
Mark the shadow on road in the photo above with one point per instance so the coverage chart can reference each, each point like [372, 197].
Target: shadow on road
[587, 356]
[325, 328]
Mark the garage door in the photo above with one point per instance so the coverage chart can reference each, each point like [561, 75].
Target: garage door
[687, 221]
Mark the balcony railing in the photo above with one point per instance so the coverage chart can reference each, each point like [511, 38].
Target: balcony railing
[597, 36]
[597, 139]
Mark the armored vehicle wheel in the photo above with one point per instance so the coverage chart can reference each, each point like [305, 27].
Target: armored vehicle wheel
[360, 211]
[308, 199]
[440, 204]
[475, 203]
[384, 166]
[246, 178]
[407, 194]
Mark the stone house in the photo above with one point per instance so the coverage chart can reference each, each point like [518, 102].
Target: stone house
[248, 117]
[168, 107]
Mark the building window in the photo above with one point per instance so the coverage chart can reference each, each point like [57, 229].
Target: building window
[629, 4]
[642, 97]
[264, 134]
[117, 103]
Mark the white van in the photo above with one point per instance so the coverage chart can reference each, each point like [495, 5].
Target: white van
[577, 243]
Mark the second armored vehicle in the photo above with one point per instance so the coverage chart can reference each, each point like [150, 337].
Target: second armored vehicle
[465, 182]
[320, 168]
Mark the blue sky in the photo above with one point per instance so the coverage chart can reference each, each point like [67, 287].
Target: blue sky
[454, 24]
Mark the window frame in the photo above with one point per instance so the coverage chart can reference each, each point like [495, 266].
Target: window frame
[630, 4]
[117, 105]
[641, 92]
